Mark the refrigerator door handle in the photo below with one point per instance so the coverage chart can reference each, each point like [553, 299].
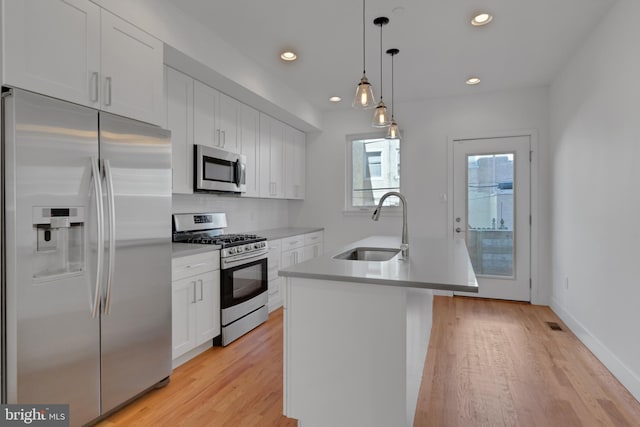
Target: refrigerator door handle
[112, 232]
[97, 185]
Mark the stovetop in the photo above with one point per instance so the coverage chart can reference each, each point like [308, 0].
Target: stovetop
[207, 229]
[211, 238]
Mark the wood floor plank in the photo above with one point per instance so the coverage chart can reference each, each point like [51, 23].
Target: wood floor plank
[490, 363]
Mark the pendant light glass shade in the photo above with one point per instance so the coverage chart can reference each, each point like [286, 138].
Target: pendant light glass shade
[380, 116]
[364, 92]
[364, 95]
[393, 132]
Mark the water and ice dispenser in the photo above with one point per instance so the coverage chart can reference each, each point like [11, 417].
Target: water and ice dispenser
[59, 244]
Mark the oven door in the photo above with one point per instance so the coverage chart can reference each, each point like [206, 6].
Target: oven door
[243, 282]
[218, 170]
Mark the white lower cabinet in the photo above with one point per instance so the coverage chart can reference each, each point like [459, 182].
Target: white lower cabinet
[274, 264]
[195, 304]
[286, 252]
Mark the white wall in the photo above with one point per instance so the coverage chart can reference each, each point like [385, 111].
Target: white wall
[243, 215]
[426, 128]
[595, 134]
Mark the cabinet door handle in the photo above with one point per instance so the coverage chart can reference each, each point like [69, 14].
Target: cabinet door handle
[217, 142]
[224, 138]
[201, 291]
[108, 84]
[94, 86]
[194, 292]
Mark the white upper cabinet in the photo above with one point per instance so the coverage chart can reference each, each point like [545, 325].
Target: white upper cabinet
[250, 147]
[271, 157]
[229, 116]
[74, 50]
[206, 104]
[216, 118]
[294, 163]
[131, 71]
[179, 92]
[53, 48]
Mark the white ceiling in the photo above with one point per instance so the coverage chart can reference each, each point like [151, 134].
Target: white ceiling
[525, 45]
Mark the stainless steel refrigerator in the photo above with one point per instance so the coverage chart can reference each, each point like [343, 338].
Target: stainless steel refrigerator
[86, 292]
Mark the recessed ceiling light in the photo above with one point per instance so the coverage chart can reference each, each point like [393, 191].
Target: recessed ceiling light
[473, 81]
[335, 99]
[288, 56]
[480, 19]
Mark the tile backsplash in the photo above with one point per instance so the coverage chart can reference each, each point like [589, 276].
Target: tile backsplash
[243, 214]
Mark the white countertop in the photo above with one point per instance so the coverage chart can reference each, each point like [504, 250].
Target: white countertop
[186, 249]
[433, 264]
[281, 233]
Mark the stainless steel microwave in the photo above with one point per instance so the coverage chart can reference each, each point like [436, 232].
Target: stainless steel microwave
[217, 170]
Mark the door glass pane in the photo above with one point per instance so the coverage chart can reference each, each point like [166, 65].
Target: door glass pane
[490, 218]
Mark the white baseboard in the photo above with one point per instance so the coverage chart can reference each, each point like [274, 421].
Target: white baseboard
[191, 354]
[626, 376]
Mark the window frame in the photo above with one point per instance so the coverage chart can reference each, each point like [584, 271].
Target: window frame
[348, 208]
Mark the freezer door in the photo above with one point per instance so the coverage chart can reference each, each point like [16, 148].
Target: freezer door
[52, 339]
[136, 320]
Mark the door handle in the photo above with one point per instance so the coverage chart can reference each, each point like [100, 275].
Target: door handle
[218, 138]
[224, 138]
[94, 86]
[201, 290]
[194, 292]
[97, 185]
[108, 84]
[112, 232]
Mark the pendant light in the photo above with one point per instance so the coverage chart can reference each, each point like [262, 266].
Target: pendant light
[393, 132]
[380, 116]
[364, 92]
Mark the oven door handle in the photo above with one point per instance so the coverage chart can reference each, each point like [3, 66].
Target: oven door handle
[239, 260]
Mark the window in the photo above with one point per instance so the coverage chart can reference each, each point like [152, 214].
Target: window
[374, 163]
[373, 170]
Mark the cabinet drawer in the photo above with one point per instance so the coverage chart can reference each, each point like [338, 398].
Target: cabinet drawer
[275, 245]
[292, 242]
[313, 238]
[194, 264]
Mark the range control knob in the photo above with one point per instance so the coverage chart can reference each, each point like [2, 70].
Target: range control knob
[239, 249]
[232, 250]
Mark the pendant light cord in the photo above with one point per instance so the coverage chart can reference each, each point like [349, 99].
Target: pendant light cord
[381, 24]
[364, 70]
[392, 103]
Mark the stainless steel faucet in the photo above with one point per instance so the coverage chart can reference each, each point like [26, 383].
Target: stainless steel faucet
[405, 227]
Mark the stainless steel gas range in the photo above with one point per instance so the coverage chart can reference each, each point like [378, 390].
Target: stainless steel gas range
[243, 270]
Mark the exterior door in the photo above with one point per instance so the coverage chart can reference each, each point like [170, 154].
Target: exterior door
[491, 211]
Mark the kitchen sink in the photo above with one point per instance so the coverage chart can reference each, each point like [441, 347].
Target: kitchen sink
[368, 254]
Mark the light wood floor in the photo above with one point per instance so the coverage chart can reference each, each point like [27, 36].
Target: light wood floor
[490, 363]
[495, 363]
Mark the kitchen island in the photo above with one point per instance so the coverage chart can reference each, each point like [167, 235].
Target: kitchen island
[356, 331]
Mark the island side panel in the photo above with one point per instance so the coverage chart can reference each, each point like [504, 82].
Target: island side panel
[345, 353]
[419, 321]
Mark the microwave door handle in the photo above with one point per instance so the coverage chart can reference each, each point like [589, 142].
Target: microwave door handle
[237, 173]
